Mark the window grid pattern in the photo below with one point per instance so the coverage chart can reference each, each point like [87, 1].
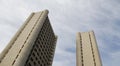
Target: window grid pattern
[43, 49]
[81, 50]
[81, 46]
[92, 50]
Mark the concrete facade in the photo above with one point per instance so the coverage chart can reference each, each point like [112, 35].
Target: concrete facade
[87, 53]
[33, 45]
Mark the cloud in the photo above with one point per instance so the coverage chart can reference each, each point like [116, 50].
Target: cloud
[68, 17]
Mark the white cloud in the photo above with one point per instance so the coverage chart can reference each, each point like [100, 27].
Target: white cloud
[67, 17]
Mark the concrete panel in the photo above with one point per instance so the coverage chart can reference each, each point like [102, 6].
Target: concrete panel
[78, 50]
[89, 54]
[21, 47]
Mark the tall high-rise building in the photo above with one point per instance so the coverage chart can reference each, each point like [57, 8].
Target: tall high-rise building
[33, 45]
[86, 50]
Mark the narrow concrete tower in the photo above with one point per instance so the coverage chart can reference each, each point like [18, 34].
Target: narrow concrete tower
[87, 53]
[33, 45]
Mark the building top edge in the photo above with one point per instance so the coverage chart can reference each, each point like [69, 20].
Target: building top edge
[45, 11]
[86, 32]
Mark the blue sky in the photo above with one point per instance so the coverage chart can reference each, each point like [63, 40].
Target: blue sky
[68, 17]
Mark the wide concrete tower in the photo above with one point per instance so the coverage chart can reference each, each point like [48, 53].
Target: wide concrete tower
[33, 45]
[87, 53]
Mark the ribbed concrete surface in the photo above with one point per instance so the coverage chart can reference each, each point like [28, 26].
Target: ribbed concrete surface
[17, 51]
[87, 53]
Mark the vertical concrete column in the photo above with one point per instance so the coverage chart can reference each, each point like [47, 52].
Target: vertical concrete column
[87, 53]
[78, 50]
[95, 48]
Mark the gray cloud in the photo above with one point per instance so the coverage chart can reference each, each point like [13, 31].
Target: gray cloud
[68, 17]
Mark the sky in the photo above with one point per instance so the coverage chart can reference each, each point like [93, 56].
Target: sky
[68, 17]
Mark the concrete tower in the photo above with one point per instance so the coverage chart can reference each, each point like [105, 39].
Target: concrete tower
[87, 50]
[33, 45]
